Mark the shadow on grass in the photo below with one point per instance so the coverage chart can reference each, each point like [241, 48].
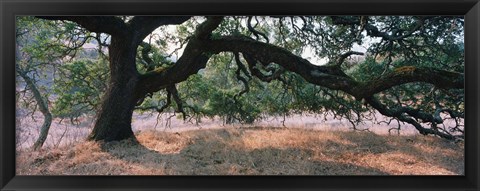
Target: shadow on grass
[250, 151]
[418, 147]
[215, 156]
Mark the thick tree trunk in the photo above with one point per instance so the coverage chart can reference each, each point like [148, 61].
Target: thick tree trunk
[115, 115]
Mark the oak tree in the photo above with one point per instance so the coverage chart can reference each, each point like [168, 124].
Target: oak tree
[412, 70]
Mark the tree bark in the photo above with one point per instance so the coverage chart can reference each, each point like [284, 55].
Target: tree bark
[47, 121]
[113, 121]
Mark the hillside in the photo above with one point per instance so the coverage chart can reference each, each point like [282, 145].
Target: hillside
[251, 151]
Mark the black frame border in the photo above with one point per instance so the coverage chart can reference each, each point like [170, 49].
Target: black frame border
[11, 8]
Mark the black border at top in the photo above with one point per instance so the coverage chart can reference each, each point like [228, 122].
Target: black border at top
[9, 9]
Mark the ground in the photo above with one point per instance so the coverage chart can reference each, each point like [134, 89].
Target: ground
[251, 151]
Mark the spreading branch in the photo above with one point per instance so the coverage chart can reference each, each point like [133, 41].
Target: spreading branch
[330, 76]
[192, 60]
[405, 114]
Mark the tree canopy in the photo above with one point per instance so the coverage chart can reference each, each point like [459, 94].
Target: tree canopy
[243, 68]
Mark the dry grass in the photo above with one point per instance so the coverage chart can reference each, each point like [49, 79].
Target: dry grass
[65, 134]
[251, 151]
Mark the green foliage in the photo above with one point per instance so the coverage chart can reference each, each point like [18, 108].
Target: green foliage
[79, 87]
[39, 49]
[214, 92]
[367, 70]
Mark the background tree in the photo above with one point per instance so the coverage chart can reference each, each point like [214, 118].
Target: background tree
[42, 46]
[36, 55]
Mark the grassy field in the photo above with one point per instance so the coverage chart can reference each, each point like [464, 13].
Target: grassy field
[251, 151]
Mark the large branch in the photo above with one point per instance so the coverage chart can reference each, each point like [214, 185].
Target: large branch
[99, 24]
[330, 76]
[327, 76]
[407, 74]
[192, 60]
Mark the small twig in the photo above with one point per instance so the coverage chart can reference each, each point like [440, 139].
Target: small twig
[61, 137]
[254, 31]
